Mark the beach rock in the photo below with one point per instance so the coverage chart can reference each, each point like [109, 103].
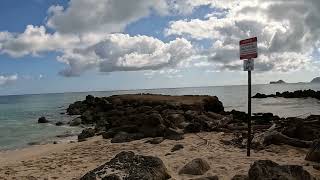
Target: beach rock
[268, 170]
[107, 135]
[316, 167]
[76, 108]
[43, 120]
[127, 165]
[86, 133]
[192, 128]
[240, 177]
[278, 82]
[156, 140]
[122, 137]
[314, 152]
[260, 96]
[173, 134]
[177, 147]
[212, 103]
[207, 178]
[195, 167]
[75, 122]
[59, 123]
[176, 119]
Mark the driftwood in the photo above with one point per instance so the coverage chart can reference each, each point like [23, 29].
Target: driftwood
[244, 127]
[277, 138]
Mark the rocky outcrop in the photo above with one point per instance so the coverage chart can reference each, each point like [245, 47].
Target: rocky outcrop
[75, 122]
[156, 140]
[266, 169]
[296, 94]
[314, 152]
[315, 80]
[278, 82]
[127, 165]
[195, 167]
[130, 117]
[42, 120]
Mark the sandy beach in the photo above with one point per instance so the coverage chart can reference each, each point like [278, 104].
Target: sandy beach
[73, 160]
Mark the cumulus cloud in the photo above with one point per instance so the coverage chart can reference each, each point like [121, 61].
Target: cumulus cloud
[287, 31]
[83, 16]
[34, 40]
[7, 79]
[120, 52]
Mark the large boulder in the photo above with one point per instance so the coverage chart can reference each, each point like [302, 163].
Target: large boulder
[314, 152]
[76, 108]
[75, 122]
[43, 120]
[268, 170]
[127, 165]
[86, 133]
[212, 103]
[197, 166]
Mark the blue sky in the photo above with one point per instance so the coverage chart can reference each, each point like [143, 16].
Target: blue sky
[60, 45]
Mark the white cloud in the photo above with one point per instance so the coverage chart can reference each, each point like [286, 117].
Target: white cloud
[34, 40]
[120, 52]
[288, 32]
[4, 80]
[83, 16]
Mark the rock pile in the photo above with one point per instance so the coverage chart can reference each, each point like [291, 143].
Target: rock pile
[266, 169]
[127, 165]
[296, 94]
[131, 117]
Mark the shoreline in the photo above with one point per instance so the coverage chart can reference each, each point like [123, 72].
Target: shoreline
[153, 125]
[73, 160]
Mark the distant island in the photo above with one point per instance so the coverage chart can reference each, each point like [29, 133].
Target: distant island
[316, 80]
[277, 82]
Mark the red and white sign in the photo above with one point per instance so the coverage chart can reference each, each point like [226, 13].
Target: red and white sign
[249, 48]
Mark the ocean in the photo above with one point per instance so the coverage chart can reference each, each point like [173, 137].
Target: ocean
[19, 113]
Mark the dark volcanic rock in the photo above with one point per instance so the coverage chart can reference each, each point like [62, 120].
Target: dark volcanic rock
[212, 103]
[43, 120]
[86, 133]
[314, 152]
[156, 140]
[127, 165]
[277, 82]
[240, 177]
[268, 170]
[207, 178]
[177, 147]
[301, 129]
[195, 167]
[173, 134]
[75, 122]
[296, 94]
[59, 123]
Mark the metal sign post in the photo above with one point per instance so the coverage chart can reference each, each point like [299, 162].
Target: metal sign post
[249, 114]
[248, 51]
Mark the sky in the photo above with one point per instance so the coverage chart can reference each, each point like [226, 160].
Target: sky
[49, 46]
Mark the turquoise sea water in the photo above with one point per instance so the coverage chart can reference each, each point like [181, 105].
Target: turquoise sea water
[19, 113]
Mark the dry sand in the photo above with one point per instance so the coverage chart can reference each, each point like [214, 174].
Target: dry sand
[71, 161]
